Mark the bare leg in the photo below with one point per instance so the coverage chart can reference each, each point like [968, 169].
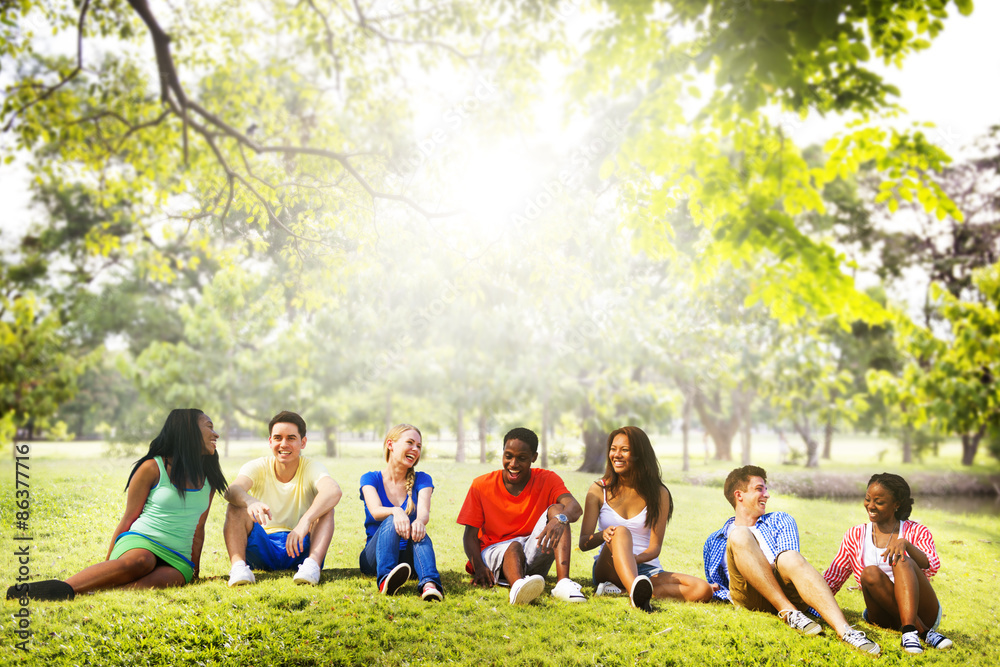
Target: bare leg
[619, 551]
[562, 554]
[880, 598]
[681, 587]
[907, 592]
[604, 569]
[320, 536]
[514, 563]
[162, 576]
[752, 564]
[812, 588]
[236, 531]
[927, 610]
[133, 565]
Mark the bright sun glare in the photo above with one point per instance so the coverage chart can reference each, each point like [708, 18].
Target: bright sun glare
[490, 184]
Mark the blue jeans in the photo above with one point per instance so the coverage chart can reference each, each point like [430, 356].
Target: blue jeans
[385, 551]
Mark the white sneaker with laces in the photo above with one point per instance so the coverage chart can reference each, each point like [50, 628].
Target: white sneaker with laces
[241, 574]
[568, 590]
[858, 640]
[526, 589]
[308, 573]
[799, 621]
[911, 642]
[607, 588]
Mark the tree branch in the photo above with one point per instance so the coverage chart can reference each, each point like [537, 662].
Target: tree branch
[66, 79]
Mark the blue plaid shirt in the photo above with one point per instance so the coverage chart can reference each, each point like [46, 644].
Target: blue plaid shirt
[779, 531]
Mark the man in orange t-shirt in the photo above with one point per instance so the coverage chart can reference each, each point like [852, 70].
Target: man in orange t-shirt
[517, 523]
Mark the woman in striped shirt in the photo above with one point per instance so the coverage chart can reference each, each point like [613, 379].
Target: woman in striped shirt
[892, 559]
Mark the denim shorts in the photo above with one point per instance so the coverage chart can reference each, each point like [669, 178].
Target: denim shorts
[644, 568]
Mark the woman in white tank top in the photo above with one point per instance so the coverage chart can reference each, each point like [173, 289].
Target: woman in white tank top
[630, 508]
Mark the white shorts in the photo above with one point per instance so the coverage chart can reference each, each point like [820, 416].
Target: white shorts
[537, 562]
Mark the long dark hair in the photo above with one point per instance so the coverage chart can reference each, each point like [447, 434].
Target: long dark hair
[645, 475]
[181, 441]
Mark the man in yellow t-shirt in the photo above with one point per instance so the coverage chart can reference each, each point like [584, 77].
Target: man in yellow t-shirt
[280, 512]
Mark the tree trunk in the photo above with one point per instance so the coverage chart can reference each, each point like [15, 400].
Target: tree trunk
[460, 436]
[907, 444]
[545, 432]
[685, 431]
[720, 427]
[227, 419]
[482, 434]
[746, 438]
[330, 437]
[594, 456]
[812, 446]
[827, 438]
[970, 444]
[594, 443]
[388, 413]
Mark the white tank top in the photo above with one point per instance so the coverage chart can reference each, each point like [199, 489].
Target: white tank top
[872, 555]
[636, 525]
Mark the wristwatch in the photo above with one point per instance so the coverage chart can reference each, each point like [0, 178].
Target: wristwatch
[563, 519]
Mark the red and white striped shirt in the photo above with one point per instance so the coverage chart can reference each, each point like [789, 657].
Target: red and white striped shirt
[850, 557]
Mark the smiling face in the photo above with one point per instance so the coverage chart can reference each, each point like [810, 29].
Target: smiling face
[406, 448]
[517, 460]
[880, 504]
[285, 442]
[620, 454]
[753, 501]
[208, 434]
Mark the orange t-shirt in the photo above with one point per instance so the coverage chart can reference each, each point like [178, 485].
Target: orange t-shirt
[500, 516]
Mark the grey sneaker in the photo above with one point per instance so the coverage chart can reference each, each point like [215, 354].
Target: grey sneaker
[935, 639]
[858, 640]
[796, 620]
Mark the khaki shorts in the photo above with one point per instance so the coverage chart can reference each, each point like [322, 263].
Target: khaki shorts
[744, 595]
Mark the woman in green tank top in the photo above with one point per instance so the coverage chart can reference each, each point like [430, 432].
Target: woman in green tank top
[158, 541]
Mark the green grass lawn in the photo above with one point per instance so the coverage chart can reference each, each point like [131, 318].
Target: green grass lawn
[78, 501]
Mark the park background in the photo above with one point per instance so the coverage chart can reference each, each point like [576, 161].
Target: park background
[729, 222]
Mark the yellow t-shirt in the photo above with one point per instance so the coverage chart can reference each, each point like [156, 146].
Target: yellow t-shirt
[288, 500]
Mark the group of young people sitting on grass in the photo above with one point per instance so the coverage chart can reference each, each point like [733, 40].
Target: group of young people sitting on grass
[280, 516]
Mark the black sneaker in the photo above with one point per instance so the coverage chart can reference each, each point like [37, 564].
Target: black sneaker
[935, 639]
[48, 589]
[395, 579]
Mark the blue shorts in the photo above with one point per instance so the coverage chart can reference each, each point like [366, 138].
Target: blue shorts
[644, 568]
[266, 551]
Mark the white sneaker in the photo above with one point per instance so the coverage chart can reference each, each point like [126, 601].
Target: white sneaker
[241, 574]
[607, 588]
[568, 590]
[526, 589]
[308, 573]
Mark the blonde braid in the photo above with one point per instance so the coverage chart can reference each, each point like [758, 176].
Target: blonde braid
[411, 478]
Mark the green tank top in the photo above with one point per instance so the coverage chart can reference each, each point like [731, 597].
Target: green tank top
[169, 519]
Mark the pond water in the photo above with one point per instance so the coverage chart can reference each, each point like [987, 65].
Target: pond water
[953, 504]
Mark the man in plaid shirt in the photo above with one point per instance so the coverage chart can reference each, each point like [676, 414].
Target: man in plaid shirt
[755, 560]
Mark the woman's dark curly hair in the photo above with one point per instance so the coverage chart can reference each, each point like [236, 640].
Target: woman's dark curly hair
[899, 490]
